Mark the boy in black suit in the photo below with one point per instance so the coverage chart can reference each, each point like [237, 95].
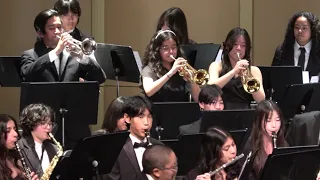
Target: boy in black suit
[129, 162]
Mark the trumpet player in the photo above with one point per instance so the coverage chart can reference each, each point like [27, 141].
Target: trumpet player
[37, 121]
[227, 73]
[10, 164]
[160, 80]
[49, 60]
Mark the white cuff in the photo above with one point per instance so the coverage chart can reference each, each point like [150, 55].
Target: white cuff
[53, 56]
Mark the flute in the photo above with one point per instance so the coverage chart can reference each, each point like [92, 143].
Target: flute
[226, 164]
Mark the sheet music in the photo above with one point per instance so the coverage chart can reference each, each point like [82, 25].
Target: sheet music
[138, 60]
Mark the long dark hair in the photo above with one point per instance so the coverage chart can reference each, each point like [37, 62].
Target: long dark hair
[289, 39]
[176, 20]
[113, 113]
[152, 55]
[211, 150]
[5, 171]
[228, 45]
[262, 113]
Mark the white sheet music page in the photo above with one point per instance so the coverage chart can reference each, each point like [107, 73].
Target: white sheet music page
[138, 60]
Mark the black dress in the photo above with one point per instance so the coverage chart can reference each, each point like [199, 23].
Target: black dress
[174, 90]
[234, 96]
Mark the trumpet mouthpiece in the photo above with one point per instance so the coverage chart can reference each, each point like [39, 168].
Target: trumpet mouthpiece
[171, 56]
[238, 54]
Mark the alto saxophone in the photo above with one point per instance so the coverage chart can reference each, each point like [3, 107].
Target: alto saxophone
[46, 175]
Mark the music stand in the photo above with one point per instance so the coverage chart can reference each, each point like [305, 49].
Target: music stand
[9, 71]
[169, 116]
[300, 164]
[118, 62]
[200, 56]
[94, 156]
[277, 78]
[73, 102]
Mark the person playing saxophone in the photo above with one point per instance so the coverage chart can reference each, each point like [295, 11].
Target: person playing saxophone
[37, 121]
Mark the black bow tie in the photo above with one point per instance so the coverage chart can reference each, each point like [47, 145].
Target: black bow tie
[142, 144]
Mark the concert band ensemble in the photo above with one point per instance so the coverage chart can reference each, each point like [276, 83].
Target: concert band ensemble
[38, 145]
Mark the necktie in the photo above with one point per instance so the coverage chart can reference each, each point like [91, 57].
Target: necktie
[142, 144]
[302, 57]
[60, 64]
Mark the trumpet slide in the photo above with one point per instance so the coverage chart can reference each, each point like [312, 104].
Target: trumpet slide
[200, 77]
[250, 84]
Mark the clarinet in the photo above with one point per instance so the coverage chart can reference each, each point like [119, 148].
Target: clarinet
[147, 134]
[226, 164]
[274, 139]
[23, 162]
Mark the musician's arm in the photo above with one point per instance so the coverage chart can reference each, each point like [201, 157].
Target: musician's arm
[195, 90]
[214, 71]
[93, 69]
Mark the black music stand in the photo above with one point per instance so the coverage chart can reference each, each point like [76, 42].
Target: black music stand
[10, 71]
[169, 116]
[299, 164]
[188, 148]
[94, 156]
[118, 62]
[277, 78]
[200, 56]
[73, 102]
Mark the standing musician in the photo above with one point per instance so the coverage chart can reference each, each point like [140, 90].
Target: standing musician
[129, 162]
[227, 73]
[268, 120]
[218, 148]
[70, 12]
[159, 163]
[49, 61]
[37, 121]
[300, 46]
[159, 78]
[10, 164]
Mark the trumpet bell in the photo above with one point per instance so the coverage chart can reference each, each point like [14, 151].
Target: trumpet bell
[88, 46]
[201, 77]
[251, 85]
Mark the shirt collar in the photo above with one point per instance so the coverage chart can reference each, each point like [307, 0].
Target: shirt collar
[307, 46]
[135, 139]
[70, 31]
[36, 144]
[149, 177]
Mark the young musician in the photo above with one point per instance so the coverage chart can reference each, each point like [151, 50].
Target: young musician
[175, 20]
[129, 162]
[37, 121]
[115, 117]
[70, 12]
[227, 73]
[160, 79]
[218, 148]
[159, 163]
[10, 164]
[268, 119]
[300, 46]
[210, 99]
[49, 61]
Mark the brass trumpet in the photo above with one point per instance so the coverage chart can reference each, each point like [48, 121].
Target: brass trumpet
[87, 46]
[199, 77]
[250, 84]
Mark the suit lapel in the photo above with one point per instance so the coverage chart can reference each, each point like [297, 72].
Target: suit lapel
[32, 156]
[128, 148]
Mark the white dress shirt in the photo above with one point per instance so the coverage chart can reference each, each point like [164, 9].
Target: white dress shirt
[297, 53]
[139, 151]
[149, 177]
[45, 159]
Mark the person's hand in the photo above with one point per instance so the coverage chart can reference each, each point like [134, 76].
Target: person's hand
[240, 67]
[205, 176]
[34, 176]
[65, 40]
[177, 65]
[81, 79]
[318, 177]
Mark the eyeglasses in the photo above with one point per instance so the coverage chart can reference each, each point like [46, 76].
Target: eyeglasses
[167, 49]
[47, 124]
[302, 28]
[173, 169]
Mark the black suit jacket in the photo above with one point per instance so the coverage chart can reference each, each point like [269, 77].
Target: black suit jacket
[36, 67]
[313, 66]
[192, 128]
[27, 147]
[126, 166]
[304, 129]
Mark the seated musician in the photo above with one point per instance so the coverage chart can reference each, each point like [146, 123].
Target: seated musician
[160, 80]
[268, 119]
[49, 61]
[10, 164]
[218, 148]
[129, 162]
[115, 117]
[37, 120]
[210, 99]
[159, 163]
